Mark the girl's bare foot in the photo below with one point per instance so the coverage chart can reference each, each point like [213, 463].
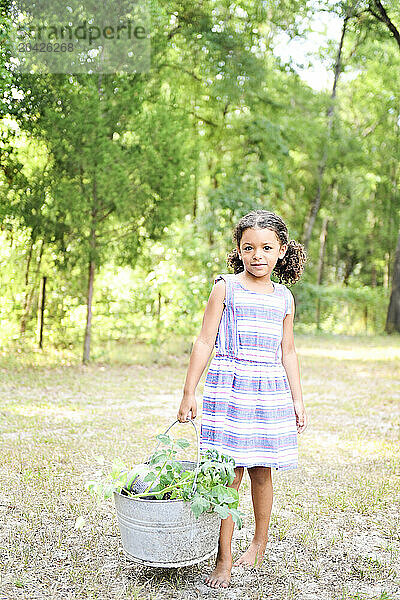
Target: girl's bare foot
[221, 575]
[253, 556]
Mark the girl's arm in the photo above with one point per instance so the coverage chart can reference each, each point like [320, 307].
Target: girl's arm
[291, 364]
[202, 349]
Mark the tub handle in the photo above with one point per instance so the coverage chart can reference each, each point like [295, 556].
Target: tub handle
[194, 486]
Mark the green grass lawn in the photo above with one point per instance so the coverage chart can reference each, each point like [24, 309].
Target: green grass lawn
[335, 528]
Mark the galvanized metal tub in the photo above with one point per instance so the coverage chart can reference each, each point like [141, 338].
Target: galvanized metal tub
[165, 533]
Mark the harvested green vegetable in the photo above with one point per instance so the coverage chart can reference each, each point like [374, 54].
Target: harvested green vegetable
[168, 480]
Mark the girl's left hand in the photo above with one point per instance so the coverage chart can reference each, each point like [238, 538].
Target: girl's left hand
[301, 417]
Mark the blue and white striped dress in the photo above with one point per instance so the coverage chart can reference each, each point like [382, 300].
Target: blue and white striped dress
[248, 408]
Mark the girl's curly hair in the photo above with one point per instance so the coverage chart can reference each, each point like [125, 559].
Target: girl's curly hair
[289, 268]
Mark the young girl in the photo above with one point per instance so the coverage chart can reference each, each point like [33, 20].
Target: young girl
[252, 401]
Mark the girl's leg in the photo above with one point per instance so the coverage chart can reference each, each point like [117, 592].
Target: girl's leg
[262, 496]
[221, 575]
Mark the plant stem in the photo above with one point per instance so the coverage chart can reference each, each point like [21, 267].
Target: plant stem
[158, 475]
[163, 491]
[152, 493]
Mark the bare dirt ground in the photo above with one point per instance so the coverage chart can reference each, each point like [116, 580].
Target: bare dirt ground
[335, 527]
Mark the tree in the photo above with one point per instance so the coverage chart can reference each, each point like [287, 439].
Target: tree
[338, 67]
[393, 315]
[118, 166]
[378, 11]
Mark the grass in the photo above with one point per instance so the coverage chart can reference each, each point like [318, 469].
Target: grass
[335, 525]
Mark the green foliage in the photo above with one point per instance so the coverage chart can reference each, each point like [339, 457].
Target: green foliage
[346, 310]
[5, 54]
[168, 480]
[147, 173]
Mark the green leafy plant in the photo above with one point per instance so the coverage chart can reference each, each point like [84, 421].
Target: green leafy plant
[167, 479]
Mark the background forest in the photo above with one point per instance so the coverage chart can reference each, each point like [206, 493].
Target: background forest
[119, 191]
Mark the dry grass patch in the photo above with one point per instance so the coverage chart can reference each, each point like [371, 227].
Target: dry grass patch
[334, 531]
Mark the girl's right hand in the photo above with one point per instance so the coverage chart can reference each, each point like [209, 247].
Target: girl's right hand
[301, 417]
[188, 405]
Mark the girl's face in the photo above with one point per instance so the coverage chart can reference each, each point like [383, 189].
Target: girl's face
[259, 250]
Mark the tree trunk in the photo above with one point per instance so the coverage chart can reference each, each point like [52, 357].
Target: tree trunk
[214, 180]
[91, 270]
[26, 301]
[196, 166]
[322, 244]
[393, 315]
[92, 244]
[29, 297]
[196, 189]
[158, 309]
[387, 271]
[42, 306]
[373, 276]
[310, 221]
[382, 16]
[88, 329]
[350, 263]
